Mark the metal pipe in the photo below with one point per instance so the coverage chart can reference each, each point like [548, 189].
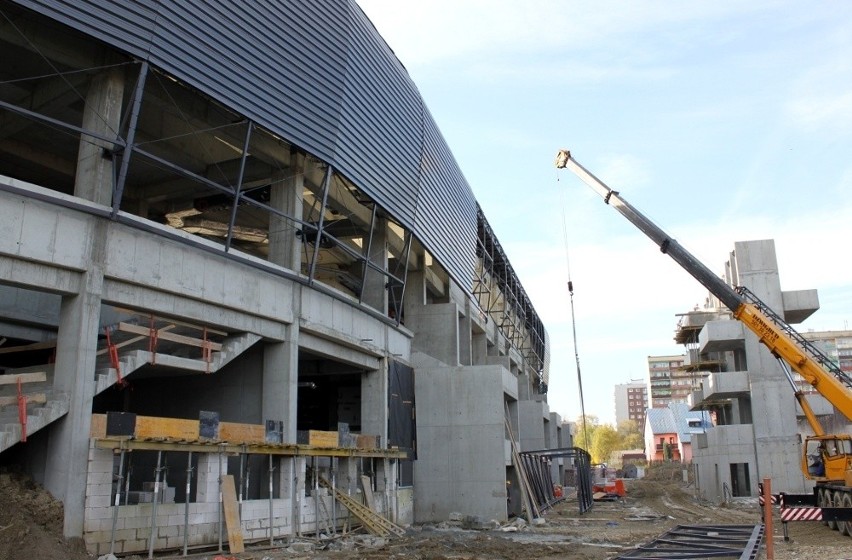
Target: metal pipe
[238, 189]
[220, 501]
[316, 495]
[333, 495]
[325, 185]
[127, 481]
[186, 504]
[154, 505]
[117, 502]
[131, 137]
[271, 486]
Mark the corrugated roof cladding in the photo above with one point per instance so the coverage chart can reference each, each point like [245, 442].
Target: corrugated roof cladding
[317, 73]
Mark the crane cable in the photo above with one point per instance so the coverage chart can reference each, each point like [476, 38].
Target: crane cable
[574, 330]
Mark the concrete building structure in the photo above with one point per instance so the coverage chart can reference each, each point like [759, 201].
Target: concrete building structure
[264, 225]
[757, 423]
[662, 372]
[631, 401]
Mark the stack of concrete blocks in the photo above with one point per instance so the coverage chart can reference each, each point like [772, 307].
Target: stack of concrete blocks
[133, 523]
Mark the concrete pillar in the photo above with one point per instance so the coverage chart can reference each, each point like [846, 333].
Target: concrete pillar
[479, 348]
[374, 402]
[374, 293]
[68, 446]
[101, 114]
[415, 292]
[287, 195]
[280, 382]
[465, 351]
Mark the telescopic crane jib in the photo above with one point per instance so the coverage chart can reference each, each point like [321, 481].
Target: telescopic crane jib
[834, 485]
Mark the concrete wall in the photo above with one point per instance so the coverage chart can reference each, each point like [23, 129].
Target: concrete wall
[460, 438]
[532, 414]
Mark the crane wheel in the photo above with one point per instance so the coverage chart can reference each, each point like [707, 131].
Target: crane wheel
[846, 502]
[830, 501]
[822, 501]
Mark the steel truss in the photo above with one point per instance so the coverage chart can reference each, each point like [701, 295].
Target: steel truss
[703, 541]
[501, 296]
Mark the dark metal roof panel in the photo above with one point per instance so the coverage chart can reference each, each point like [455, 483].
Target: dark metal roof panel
[380, 132]
[317, 73]
[447, 209]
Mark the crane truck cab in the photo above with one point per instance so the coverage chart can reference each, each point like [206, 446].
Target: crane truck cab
[827, 458]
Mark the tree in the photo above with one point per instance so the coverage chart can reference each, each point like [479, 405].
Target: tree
[604, 442]
[630, 436]
[583, 439]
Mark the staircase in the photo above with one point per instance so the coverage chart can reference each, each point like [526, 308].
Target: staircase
[132, 360]
[44, 404]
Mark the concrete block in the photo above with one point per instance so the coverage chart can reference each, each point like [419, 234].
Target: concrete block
[168, 531]
[135, 545]
[97, 501]
[102, 512]
[137, 522]
[98, 489]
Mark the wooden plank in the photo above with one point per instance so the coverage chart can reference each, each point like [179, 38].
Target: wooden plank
[232, 515]
[367, 487]
[34, 398]
[98, 427]
[172, 428]
[364, 441]
[320, 438]
[133, 340]
[234, 432]
[188, 340]
[31, 377]
[191, 326]
[29, 347]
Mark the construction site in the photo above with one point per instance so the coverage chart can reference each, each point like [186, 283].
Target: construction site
[250, 305]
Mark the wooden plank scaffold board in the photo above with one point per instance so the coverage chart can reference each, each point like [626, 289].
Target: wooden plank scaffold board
[232, 515]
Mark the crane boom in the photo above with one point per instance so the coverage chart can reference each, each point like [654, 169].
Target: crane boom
[832, 383]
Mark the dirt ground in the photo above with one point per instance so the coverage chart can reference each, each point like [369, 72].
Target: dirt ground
[31, 527]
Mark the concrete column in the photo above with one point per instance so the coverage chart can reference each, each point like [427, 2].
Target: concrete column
[101, 114]
[374, 293]
[465, 350]
[374, 402]
[280, 382]
[415, 292]
[68, 446]
[287, 195]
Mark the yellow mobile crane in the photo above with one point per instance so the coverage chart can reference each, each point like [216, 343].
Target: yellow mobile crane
[826, 458]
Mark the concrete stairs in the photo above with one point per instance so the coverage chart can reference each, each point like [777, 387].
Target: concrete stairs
[54, 404]
[132, 360]
[39, 414]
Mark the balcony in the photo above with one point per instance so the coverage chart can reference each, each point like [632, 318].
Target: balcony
[720, 387]
[799, 305]
[720, 336]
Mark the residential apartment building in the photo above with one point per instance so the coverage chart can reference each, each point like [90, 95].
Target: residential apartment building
[631, 401]
[664, 376]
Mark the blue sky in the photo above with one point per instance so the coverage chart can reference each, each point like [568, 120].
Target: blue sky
[722, 121]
